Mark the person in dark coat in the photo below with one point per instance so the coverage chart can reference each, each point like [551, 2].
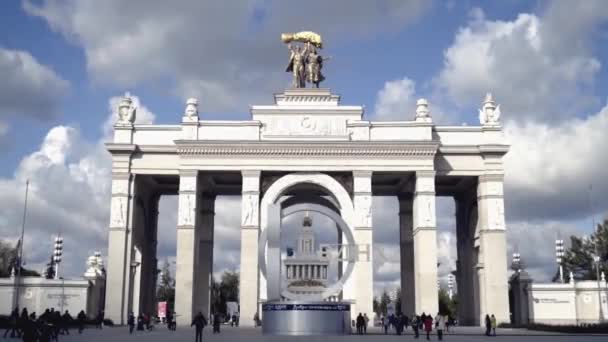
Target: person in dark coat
[12, 323]
[81, 318]
[199, 322]
[100, 317]
[416, 325]
[66, 319]
[30, 330]
[131, 322]
[360, 323]
[140, 322]
[217, 320]
[488, 325]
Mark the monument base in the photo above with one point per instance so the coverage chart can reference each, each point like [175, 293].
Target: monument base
[298, 318]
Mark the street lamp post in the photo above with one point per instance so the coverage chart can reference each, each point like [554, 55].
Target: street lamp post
[451, 286]
[516, 264]
[20, 258]
[57, 254]
[596, 256]
[559, 254]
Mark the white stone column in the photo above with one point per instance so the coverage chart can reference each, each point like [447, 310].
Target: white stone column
[363, 272]
[492, 264]
[137, 281]
[204, 265]
[187, 247]
[250, 229]
[406, 238]
[425, 243]
[466, 221]
[119, 248]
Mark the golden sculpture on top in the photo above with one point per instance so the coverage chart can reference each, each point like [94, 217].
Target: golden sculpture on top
[304, 61]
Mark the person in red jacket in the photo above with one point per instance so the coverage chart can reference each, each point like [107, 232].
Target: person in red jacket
[428, 326]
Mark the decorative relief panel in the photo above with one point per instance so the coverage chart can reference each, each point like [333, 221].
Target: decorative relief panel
[363, 210]
[250, 209]
[424, 211]
[187, 210]
[118, 211]
[305, 125]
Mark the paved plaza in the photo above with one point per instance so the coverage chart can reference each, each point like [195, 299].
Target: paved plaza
[253, 335]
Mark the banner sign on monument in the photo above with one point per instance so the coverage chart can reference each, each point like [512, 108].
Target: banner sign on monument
[162, 309]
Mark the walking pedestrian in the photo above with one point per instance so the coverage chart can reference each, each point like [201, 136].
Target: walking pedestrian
[66, 320]
[359, 323]
[416, 325]
[217, 320]
[365, 322]
[12, 323]
[440, 325]
[488, 324]
[493, 322]
[131, 322]
[99, 320]
[385, 323]
[199, 323]
[428, 326]
[82, 317]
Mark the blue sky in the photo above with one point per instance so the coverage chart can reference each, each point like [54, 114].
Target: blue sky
[64, 62]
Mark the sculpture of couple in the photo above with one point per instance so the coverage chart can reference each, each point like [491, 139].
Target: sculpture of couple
[305, 64]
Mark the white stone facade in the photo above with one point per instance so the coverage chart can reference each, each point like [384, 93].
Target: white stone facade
[307, 136]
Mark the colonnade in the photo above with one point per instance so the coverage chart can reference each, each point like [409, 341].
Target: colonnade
[132, 264]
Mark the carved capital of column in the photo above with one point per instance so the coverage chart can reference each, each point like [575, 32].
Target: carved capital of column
[425, 183]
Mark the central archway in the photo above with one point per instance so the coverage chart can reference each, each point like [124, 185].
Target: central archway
[271, 203]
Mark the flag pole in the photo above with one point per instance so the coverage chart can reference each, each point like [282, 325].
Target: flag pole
[20, 262]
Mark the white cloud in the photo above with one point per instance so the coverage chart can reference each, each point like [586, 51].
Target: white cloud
[228, 56]
[396, 101]
[69, 194]
[549, 168]
[532, 70]
[28, 88]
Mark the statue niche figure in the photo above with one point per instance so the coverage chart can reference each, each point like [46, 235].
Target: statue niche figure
[314, 63]
[296, 66]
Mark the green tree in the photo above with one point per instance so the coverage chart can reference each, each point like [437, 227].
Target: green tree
[227, 290]
[166, 286]
[447, 306]
[9, 257]
[578, 259]
[49, 272]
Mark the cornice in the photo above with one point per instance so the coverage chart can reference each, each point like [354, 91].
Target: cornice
[115, 148]
[412, 150]
[473, 149]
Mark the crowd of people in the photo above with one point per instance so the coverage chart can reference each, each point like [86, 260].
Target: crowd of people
[426, 324]
[47, 326]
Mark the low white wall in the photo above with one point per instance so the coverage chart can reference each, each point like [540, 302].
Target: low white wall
[570, 303]
[37, 294]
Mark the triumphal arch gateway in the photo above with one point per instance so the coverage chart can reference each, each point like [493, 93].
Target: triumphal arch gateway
[307, 148]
